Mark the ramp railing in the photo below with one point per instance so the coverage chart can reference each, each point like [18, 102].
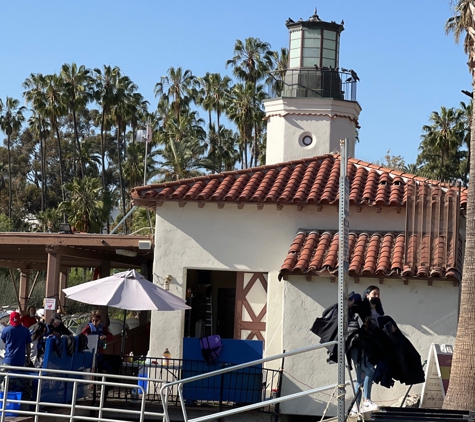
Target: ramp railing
[72, 381]
[166, 387]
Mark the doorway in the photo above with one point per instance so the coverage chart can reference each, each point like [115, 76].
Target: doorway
[212, 296]
[225, 317]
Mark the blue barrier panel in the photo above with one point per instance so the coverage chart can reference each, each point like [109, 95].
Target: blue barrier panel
[56, 357]
[244, 386]
[11, 406]
[82, 362]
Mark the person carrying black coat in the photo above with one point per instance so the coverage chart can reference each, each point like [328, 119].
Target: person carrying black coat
[364, 344]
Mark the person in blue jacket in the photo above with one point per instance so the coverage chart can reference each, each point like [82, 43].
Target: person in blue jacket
[95, 328]
[17, 341]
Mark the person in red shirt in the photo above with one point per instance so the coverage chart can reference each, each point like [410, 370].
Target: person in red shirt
[30, 318]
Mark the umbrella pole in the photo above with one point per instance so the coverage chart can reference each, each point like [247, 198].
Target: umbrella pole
[122, 348]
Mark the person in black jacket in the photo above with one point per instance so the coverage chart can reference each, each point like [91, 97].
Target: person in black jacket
[360, 345]
[56, 327]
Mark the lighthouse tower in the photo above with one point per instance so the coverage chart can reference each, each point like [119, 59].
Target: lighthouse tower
[315, 105]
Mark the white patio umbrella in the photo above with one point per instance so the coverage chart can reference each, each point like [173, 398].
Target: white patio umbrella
[126, 290]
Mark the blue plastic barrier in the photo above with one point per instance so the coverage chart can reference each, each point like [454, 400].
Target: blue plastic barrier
[244, 386]
[11, 406]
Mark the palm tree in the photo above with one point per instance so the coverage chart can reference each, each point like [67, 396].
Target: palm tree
[34, 87]
[276, 78]
[461, 391]
[55, 107]
[229, 153]
[183, 139]
[214, 96]
[252, 60]
[11, 118]
[181, 159]
[466, 122]
[223, 156]
[86, 207]
[123, 96]
[77, 89]
[91, 157]
[180, 87]
[443, 137]
[104, 94]
[49, 220]
[40, 128]
[47, 96]
[133, 165]
[240, 110]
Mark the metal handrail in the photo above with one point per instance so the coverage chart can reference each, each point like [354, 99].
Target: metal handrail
[22, 372]
[166, 387]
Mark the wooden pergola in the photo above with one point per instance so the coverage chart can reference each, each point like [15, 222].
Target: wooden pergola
[57, 252]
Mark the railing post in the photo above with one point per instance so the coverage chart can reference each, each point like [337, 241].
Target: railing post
[279, 390]
[221, 388]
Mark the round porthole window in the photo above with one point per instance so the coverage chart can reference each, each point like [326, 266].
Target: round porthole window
[307, 140]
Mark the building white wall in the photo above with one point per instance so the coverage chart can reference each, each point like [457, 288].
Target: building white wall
[248, 239]
[425, 314]
[326, 120]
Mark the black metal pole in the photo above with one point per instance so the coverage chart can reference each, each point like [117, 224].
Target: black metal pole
[279, 390]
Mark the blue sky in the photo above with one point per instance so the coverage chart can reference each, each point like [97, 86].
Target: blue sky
[407, 65]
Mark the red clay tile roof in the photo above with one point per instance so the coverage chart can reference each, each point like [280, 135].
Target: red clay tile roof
[306, 181]
[373, 254]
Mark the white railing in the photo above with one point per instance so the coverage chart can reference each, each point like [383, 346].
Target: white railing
[164, 391]
[99, 379]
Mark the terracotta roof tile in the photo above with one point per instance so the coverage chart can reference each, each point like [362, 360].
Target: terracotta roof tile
[279, 184]
[291, 258]
[374, 254]
[180, 192]
[308, 246]
[384, 258]
[222, 187]
[196, 189]
[358, 184]
[237, 187]
[396, 191]
[306, 181]
[251, 187]
[292, 184]
[320, 251]
[331, 187]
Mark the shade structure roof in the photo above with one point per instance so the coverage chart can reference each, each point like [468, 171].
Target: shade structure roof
[30, 250]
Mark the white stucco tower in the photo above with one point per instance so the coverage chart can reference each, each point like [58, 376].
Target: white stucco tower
[315, 104]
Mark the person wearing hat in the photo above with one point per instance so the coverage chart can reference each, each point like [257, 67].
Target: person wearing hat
[17, 341]
[56, 326]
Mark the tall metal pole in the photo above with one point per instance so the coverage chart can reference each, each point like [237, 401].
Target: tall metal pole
[343, 256]
[149, 139]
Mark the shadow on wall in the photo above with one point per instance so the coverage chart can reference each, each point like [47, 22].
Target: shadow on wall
[307, 405]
